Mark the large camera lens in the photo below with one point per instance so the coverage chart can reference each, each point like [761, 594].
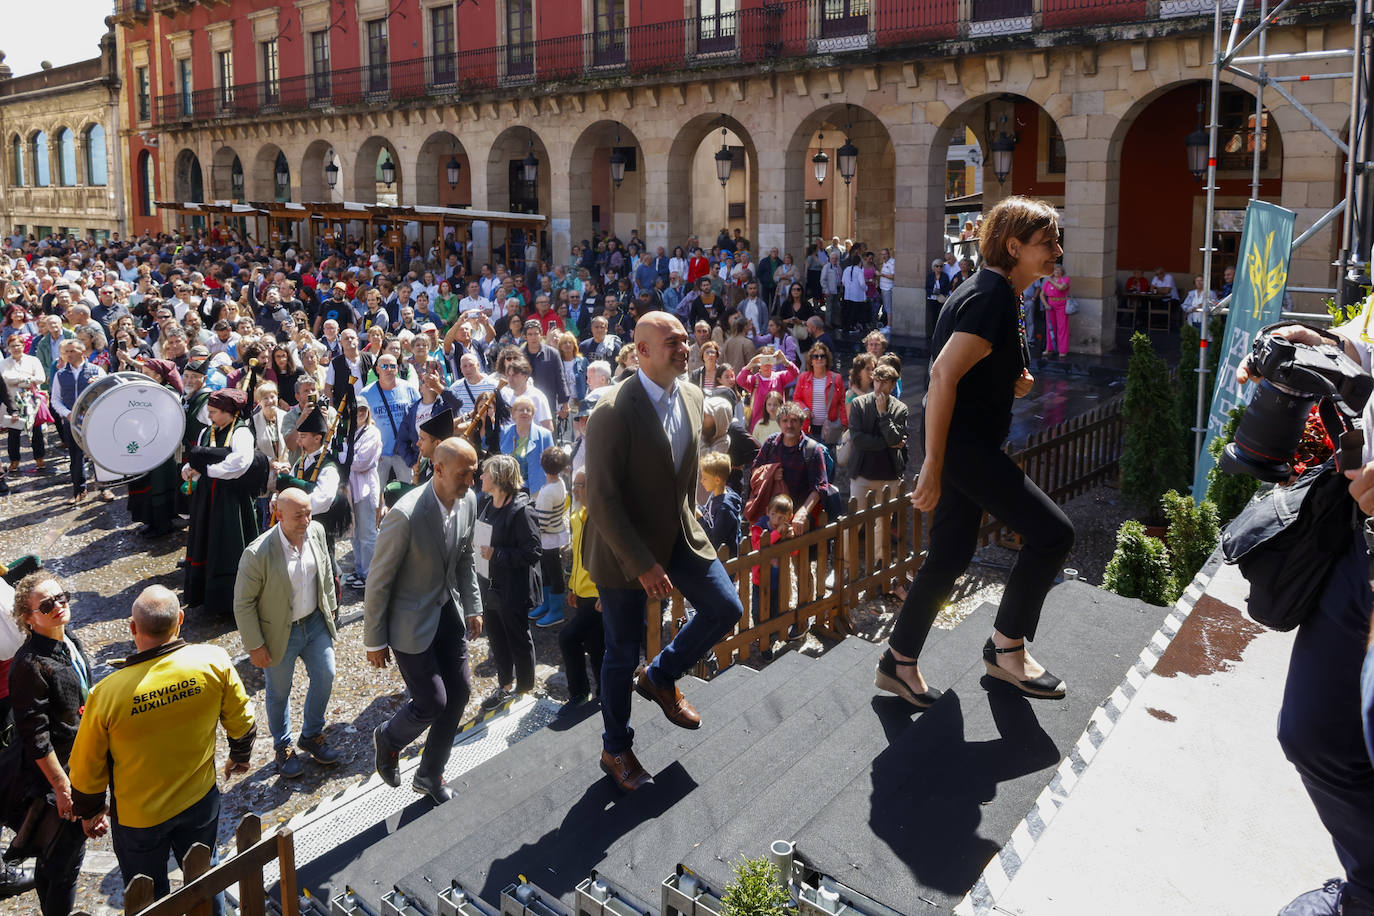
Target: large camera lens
[1268, 435]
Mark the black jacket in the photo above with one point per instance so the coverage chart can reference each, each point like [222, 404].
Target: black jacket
[516, 582]
[873, 433]
[47, 697]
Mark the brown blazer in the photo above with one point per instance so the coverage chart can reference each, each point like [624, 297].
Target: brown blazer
[636, 507]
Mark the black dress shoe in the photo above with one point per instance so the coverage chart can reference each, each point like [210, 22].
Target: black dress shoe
[432, 786]
[16, 879]
[886, 679]
[1046, 686]
[388, 762]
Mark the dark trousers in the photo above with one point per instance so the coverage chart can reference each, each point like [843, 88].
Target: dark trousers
[59, 868]
[143, 850]
[977, 478]
[1320, 724]
[40, 448]
[581, 639]
[78, 457]
[856, 312]
[551, 566]
[439, 683]
[512, 646]
[933, 307]
[706, 585]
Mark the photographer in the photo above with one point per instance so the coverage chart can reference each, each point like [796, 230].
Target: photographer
[1320, 727]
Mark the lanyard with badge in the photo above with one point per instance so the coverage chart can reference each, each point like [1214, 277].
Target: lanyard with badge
[83, 674]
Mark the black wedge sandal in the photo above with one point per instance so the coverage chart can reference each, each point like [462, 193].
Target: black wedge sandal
[886, 679]
[1046, 686]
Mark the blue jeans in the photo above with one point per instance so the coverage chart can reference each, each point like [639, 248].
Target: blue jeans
[311, 643]
[143, 850]
[705, 584]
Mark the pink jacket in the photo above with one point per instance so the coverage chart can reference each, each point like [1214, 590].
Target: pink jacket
[760, 388]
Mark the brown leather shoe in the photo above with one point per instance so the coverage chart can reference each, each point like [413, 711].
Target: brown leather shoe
[670, 700]
[625, 769]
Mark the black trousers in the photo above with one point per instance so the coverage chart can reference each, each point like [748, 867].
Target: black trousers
[933, 307]
[551, 565]
[580, 639]
[35, 439]
[440, 684]
[58, 869]
[512, 646]
[981, 477]
[78, 457]
[1321, 723]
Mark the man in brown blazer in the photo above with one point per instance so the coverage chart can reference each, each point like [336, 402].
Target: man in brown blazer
[642, 537]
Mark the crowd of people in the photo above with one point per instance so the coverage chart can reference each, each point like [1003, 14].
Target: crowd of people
[337, 394]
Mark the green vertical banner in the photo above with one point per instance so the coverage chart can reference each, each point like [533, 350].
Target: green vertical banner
[1256, 301]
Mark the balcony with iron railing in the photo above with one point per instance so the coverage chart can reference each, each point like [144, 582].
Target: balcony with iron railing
[775, 32]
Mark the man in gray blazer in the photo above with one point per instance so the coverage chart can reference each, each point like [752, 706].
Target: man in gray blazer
[285, 604]
[421, 588]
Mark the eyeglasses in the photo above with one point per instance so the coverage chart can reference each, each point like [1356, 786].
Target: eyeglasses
[391, 366]
[819, 359]
[49, 605]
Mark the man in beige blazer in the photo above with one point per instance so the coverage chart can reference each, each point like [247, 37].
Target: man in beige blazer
[285, 605]
[642, 538]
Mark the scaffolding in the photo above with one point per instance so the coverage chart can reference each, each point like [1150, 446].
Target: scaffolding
[1357, 205]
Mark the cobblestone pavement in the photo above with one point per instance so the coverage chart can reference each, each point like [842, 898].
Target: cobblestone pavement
[93, 549]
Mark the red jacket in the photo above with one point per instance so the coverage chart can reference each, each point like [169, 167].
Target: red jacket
[835, 389]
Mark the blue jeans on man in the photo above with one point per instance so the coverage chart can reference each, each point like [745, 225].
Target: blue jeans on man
[143, 850]
[708, 588]
[311, 643]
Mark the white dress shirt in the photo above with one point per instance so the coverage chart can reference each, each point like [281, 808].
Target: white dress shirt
[301, 570]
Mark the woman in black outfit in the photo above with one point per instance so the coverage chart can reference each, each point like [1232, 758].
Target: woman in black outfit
[50, 679]
[980, 366]
[514, 584]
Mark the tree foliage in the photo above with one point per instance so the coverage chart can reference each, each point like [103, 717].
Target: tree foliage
[1153, 459]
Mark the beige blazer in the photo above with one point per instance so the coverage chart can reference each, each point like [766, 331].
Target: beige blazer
[262, 591]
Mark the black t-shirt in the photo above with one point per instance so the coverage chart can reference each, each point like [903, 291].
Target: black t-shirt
[987, 306]
[338, 309]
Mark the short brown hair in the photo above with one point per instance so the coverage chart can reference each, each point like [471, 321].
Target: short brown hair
[885, 373]
[860, 362]
[23, 595]
[1017, 218]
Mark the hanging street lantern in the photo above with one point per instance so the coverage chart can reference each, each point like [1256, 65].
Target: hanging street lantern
[1196, 146]
[1002, 149]
[848, 160]
[331, 173]
[617, 166]
[454, 169]
[388, 169]
[820, 164]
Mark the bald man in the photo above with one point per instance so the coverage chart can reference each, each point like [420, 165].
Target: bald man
[422, 603]
[285, 605]
[149, 732]
[642, 539]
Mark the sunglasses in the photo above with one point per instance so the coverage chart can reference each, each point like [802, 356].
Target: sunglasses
[49, 605]
[391, 366]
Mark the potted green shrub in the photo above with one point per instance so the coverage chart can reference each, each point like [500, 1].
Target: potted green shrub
[1194, 533]
[1140, 568]
[757, 890]
[1153, 459]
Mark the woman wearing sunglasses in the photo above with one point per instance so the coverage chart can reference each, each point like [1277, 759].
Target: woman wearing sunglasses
[50, 679]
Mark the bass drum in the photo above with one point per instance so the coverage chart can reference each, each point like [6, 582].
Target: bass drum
[127, 424]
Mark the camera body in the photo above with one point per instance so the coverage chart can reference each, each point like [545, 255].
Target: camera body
[1294, 376]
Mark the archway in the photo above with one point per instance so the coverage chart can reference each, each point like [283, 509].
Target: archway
[377, 161]
[315, 186]
[706, 206]
[508, 188]
[440, 154]
[861, 209]
[596, 203]
[1156, 188]
[226, 175]
[187, 181]
[262, 183]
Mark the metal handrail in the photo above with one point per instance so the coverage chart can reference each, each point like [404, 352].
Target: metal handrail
[759, 35]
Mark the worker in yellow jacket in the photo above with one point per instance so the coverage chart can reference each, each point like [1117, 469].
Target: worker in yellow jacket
[149, 730]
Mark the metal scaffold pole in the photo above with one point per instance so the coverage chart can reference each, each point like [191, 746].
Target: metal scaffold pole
[1351, 268]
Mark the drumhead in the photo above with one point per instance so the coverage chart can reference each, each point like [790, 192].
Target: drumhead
[127, 423]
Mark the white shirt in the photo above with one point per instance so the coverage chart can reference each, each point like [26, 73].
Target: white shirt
[1194, 305]
[326, 485]
[301, 570]
[21, 372]
[887, 276]
[240, 456]
[468, 304]
[855, 287]
[1164, 283]
[668, 404]
[541, 403]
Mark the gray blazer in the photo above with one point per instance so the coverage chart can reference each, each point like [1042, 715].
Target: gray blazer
[262, 591]
[412, 577]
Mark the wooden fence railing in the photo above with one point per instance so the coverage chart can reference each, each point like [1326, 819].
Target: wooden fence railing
[244, 868]
[822, 574]
[1068, 459]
